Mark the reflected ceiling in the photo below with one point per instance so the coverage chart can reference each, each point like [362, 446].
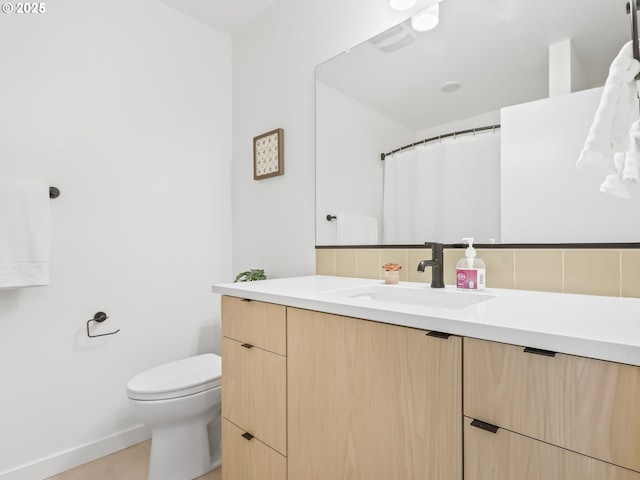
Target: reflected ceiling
[497, 50]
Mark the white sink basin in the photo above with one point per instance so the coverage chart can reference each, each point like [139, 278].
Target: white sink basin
[425, 296]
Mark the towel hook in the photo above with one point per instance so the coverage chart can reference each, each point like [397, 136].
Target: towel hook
[99, 317]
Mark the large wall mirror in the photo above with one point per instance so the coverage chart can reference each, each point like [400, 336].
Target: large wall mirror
[523, 79]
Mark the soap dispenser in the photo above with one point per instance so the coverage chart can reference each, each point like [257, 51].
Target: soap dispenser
[470, 271]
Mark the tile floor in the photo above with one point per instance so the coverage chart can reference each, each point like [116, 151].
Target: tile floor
[129, 464]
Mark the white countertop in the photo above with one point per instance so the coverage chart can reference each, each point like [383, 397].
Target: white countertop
[606, 328]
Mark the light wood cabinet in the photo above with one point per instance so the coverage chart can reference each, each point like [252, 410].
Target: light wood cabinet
[254, 385]
[313, 396]
[371, 401]
[583, 405]
[254, 392]
[244, 459]
[260, 324]
[505, 455]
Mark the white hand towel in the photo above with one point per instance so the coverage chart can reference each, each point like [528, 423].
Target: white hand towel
[631, 169]
[24, 233]
[610, 129]
[613, 183]
[356, 229]
[627, 166]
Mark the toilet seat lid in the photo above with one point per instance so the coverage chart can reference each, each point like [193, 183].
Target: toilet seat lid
[177, 379]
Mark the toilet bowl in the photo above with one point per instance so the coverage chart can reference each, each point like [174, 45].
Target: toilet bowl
[180, 403]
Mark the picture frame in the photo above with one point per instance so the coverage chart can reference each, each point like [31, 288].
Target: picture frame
[268, 154]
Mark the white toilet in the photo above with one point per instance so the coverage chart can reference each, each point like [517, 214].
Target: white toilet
[180, 402]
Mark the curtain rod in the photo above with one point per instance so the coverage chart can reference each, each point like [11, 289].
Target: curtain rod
[440, 137]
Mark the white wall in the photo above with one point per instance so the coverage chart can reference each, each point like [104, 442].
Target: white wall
[350, 137]
[545, 198]
[273, 86]
[125, 106]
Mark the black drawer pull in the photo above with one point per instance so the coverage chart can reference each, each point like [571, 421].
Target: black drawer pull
[484, 426]
[539, 351]
[247, 345]
[438, 335]
[247, 435]
[245, 299]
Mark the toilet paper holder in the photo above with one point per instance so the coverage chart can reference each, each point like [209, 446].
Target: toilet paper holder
[99, 317]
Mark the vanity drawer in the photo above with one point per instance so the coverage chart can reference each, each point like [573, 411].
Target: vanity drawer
[260, 324]
[505, 455]
[254, 392]
[249, 458]
[585, 405]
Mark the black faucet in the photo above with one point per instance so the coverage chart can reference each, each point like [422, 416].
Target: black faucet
[436, 263]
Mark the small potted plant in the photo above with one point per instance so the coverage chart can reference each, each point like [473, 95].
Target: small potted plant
[391, 272]
[250, 275]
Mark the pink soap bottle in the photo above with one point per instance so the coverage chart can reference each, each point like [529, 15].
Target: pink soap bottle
[470, 271]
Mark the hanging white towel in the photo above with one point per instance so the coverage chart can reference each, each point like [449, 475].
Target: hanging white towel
[356, 229]
[613, 183]
[610, 131]
[24, 233]
[631, 166]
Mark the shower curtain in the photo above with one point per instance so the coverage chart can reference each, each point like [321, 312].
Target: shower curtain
[443, 191]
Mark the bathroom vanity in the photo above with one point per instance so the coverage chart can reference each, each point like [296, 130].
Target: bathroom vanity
[344, 378]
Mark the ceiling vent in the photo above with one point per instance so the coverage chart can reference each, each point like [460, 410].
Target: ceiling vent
[393, 39]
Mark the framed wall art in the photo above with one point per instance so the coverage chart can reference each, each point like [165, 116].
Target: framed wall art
[268, 154]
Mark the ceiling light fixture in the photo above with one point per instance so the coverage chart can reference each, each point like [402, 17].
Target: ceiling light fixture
[401, 5]
[427, 19]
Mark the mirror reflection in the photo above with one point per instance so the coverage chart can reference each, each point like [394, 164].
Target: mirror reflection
[521, 80]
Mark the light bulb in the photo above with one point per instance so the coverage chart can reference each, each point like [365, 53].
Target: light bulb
[427, 19]
[401, 5]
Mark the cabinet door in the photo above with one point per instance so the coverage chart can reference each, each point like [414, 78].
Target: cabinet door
[506, 455]
[260, 324]
[245, 458]
[371, 401]
[585, 405]
[254, 397]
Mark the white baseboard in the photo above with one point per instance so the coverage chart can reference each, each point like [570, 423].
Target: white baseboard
[63, 461]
